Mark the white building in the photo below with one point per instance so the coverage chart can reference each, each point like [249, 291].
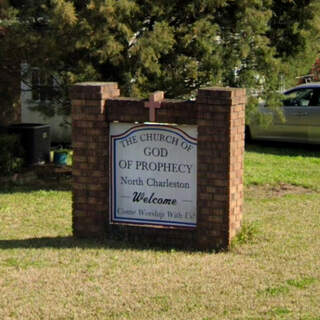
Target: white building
[31, 96]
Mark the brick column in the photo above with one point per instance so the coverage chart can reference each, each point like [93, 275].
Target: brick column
[90, 141]
[220, 164]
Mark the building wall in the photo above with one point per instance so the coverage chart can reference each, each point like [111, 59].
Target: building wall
[60, 132]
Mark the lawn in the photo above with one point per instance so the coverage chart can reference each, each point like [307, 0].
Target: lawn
[271, 272]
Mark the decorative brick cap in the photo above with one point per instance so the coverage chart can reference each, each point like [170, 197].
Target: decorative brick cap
[154, 103]
[222, 92]
[222, 96]
[94, 90]
[156, 96]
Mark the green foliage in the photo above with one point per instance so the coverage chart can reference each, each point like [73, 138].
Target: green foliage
[275, 291]
[279, 312]
[11, 152]
[161, 45]
[301, 283]
[247, 234]
[294, 34]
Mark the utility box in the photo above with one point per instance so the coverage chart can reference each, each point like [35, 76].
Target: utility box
[35, 139]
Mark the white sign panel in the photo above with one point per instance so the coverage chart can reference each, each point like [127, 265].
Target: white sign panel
[153, 174]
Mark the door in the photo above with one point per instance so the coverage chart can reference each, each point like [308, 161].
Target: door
[314, 118]
[296, 111]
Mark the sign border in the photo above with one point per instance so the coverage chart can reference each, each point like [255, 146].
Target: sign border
[112, 191]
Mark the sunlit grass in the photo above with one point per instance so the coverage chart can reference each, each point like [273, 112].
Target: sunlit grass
[282, 164]
[272, 272]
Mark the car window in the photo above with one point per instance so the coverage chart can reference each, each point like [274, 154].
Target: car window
[315, 100]
[299, 98]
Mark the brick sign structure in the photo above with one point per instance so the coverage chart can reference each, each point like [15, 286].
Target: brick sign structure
[177, 180]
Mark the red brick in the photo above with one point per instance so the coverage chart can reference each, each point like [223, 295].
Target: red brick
[219, 114]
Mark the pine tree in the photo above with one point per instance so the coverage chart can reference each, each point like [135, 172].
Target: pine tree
[175, 46]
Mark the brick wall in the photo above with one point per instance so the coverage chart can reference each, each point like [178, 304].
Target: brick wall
[219, 116]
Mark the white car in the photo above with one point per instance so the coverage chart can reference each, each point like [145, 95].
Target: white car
[301, 110]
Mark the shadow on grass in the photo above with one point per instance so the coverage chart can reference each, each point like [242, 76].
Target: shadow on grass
[49, 184]
[73, 242]
[283, 149]
[55, 242]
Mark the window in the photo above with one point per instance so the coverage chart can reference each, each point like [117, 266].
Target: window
[42, 86]
[302, 97]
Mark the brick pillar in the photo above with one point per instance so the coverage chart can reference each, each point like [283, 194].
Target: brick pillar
[220, 164]
[90, 141]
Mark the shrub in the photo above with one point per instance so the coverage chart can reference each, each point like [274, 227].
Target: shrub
[248, 233]
[11, 154]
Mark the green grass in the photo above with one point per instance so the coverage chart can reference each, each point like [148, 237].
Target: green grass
[271, 272]
[275, 165]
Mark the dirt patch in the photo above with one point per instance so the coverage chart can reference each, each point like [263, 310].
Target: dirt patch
[271, 191]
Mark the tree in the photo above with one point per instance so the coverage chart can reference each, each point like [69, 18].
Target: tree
[175, 46]
[294, 32]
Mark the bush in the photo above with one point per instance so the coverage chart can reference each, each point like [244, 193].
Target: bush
[11, 152]
[248, 233]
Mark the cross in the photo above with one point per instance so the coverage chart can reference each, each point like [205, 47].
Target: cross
[153, 104]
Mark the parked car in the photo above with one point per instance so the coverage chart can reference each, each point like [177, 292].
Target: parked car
[301, 110]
